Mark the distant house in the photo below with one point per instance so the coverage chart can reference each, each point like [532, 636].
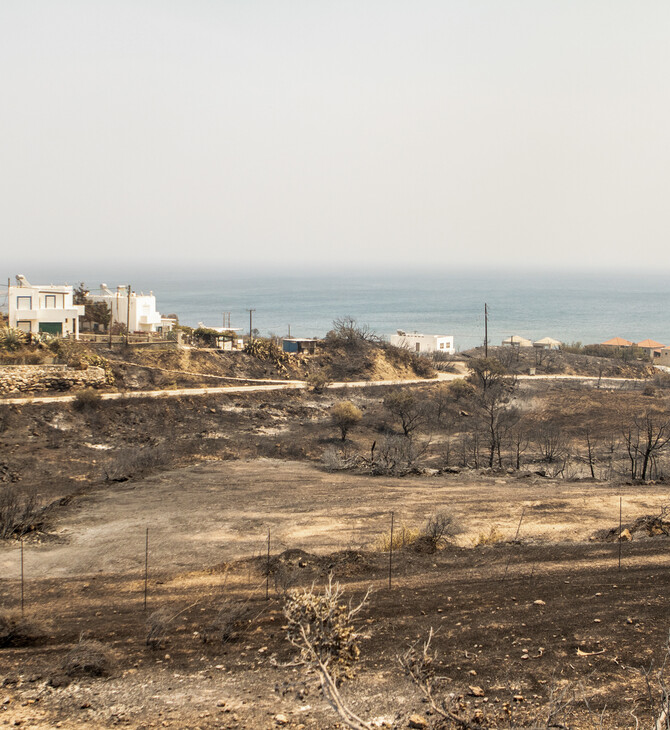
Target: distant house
[228, 338]
[423, 343]
[517, 341]
[297, 345]
[651, 348]
[547, 343]
[663, 357]
[142, 317]
[48, 309]
[617, 342]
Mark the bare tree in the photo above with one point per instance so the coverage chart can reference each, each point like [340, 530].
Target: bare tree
[551, 443]
[645, 439]
[408, 408]
[519, 440]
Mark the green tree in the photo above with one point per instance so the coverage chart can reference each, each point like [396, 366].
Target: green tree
[345, 416]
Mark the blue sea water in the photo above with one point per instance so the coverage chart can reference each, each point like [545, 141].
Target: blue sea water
[584, 307]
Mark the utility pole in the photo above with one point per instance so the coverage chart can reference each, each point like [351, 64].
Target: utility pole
[128, 315]
[251, 311]
[486, 330]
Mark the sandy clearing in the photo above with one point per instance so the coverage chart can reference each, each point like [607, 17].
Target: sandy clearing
[220, 511]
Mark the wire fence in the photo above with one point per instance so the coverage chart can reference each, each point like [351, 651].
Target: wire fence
[380, 550]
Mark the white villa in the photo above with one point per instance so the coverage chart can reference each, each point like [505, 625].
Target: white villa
[424, 343]
[49, 309]
[142, 317]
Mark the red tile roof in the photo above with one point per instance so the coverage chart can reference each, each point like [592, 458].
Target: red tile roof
[618, 342]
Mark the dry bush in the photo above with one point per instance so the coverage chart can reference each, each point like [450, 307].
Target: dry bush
[334, 459]
[89, 658]
[285, 577]
[158, 624]
[396, 456]
[17, 630]
[441, 527]
[20, 512]
[87, 399]
[132, 462]
[318, 380]
[227, 624]
[322, 627]
[418, 662]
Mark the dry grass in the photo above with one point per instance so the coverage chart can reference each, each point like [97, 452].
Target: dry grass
[17, 630]
[493, 536]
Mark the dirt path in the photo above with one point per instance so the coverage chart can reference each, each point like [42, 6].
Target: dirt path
[220, 511]
[295, 385]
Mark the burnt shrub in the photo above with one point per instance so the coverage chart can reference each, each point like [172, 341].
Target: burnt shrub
[20, 512]
[88, 658]
[18, 630]
[87, 399]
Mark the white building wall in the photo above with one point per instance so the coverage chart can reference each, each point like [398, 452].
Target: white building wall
[143, 314]
[424, 343]
[29, 305]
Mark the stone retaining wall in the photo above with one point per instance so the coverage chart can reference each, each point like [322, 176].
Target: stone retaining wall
[34, 378]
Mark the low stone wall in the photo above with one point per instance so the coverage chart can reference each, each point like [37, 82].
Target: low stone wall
[34, 378]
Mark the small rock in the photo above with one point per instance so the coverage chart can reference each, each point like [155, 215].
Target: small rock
[476, 691]
[281, 719]
[625, 535]
[539, 602]
[417, 721]
[596, 621]
[518, 698]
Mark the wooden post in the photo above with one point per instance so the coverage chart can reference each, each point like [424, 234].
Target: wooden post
[391, 552]
[620, 540]
[146, 568]
[22, 606]
[128, 316]
[509, 559]
[267, 571]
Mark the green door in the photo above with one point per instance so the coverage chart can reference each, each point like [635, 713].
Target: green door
[52, 328]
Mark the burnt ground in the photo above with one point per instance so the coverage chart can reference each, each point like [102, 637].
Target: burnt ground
[586, 644]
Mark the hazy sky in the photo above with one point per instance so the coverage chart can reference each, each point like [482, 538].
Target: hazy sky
[430, 134]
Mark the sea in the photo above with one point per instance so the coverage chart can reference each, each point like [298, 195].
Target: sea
[586, 307]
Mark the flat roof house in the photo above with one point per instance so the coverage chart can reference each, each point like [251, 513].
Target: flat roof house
[517, 341]
[299, 345]
[49, 309]
[423, 343]
[142, 317]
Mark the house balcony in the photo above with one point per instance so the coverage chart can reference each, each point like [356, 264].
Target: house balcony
[50, 314]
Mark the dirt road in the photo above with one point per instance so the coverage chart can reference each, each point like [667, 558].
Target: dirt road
[295, 385]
